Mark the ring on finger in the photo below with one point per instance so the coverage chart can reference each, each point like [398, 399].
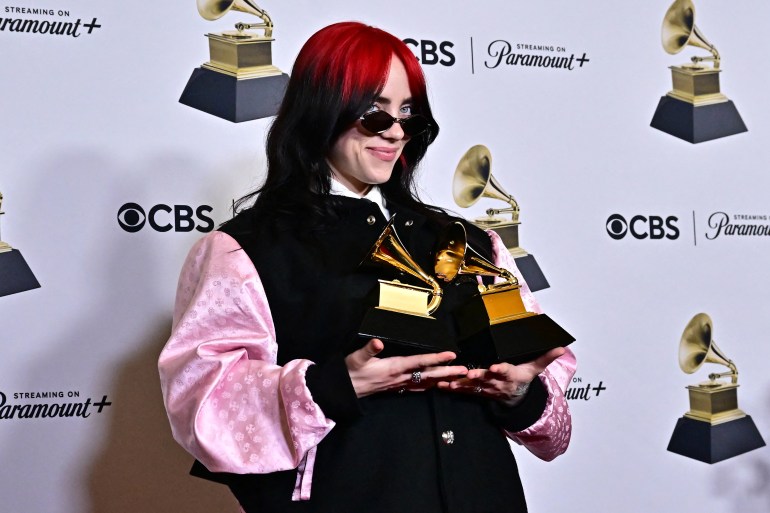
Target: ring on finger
[416, 377]
[478, 389]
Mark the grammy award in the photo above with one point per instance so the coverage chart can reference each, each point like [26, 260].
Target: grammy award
[473, 180]
[402, 318]
[695, 110]
[239, 82]
[494, 326]
[15, 274]
[714, 429]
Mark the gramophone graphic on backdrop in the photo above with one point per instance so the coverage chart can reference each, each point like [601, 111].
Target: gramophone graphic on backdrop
[714, 429]
[239, 82]
[695, 110]
[15, 274]
[472, 181]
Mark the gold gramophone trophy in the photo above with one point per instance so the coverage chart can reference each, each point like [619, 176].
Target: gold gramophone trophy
[403, 318]
[695, 110]
[473, 180]
[239, 82]
[15, 274]
[714, 429]
[494, 326]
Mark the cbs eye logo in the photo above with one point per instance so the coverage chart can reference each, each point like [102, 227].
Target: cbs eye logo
[164, 218]
[430, 52]
[643, 227]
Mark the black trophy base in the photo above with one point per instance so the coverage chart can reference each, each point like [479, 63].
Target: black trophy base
[15, 274]
[531, 272]
[697, 124]
[703, 442]
[518, 341]
[405, 334]
[235, 100]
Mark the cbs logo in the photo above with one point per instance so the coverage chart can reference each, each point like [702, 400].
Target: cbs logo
[431, 52]
[643, 227]
[164, 218]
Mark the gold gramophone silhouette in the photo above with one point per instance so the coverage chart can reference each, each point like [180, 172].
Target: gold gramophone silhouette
[239, 82]
[15, 274]
[714, 429]
[695, 109]
[403, 315]
[472, 181]
[494, 326]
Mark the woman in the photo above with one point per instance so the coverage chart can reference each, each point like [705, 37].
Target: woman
[262, 379]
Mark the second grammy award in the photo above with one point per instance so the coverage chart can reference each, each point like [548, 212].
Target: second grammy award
[402, 317]
[494, 326]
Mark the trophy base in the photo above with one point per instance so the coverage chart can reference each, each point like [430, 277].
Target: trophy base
[15, 274]
[697, 123]
[405, 334]
[531, 272]
[518, 341]
[709, 443]
[232, 99]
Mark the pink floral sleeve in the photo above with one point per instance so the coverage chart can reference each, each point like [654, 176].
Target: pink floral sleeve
[550, 435]
[230, 405]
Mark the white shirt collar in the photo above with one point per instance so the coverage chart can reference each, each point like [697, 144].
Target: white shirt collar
[373, 194]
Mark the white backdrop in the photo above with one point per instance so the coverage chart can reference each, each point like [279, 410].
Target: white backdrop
[91, 123]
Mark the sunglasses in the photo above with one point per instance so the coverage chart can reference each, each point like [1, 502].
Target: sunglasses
[378, 121]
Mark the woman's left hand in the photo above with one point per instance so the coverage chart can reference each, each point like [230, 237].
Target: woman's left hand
[502, 381]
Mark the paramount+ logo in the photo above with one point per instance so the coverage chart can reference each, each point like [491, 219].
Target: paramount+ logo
[165, 218]
[643, 227]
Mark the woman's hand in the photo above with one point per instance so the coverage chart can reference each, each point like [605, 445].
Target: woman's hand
[502, 381]
[370, 374]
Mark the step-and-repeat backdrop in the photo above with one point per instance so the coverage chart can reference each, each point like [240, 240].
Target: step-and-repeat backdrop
[107, 181]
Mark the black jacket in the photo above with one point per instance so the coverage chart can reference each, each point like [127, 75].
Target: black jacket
[388, 452]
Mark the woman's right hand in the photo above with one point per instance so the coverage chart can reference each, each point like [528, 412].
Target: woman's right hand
[370, 374]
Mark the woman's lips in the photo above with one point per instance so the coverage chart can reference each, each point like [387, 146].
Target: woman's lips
[383, 153]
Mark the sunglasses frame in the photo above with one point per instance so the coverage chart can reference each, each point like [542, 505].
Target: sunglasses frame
[393, 120]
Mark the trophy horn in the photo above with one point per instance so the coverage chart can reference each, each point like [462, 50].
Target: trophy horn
[454, 257]
[679, 30]
[390, 251]
[473, 179]
[215, 9]
[697, 347]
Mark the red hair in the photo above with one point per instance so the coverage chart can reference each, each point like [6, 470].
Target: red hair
[353, 58]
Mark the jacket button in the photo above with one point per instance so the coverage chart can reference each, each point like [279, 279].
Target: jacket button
[448, 437]
[409, 223]
[371, 220]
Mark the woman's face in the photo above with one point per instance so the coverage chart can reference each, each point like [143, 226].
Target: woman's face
[360, 159]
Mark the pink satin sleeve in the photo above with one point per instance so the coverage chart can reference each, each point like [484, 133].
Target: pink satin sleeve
[229, 404]
[550, 435]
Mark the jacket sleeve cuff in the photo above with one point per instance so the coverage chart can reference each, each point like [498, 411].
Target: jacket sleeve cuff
[524, 414]
[329, 384]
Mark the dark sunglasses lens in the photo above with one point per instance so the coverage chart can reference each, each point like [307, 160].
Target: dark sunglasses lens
[377, 121]
[414, 125]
